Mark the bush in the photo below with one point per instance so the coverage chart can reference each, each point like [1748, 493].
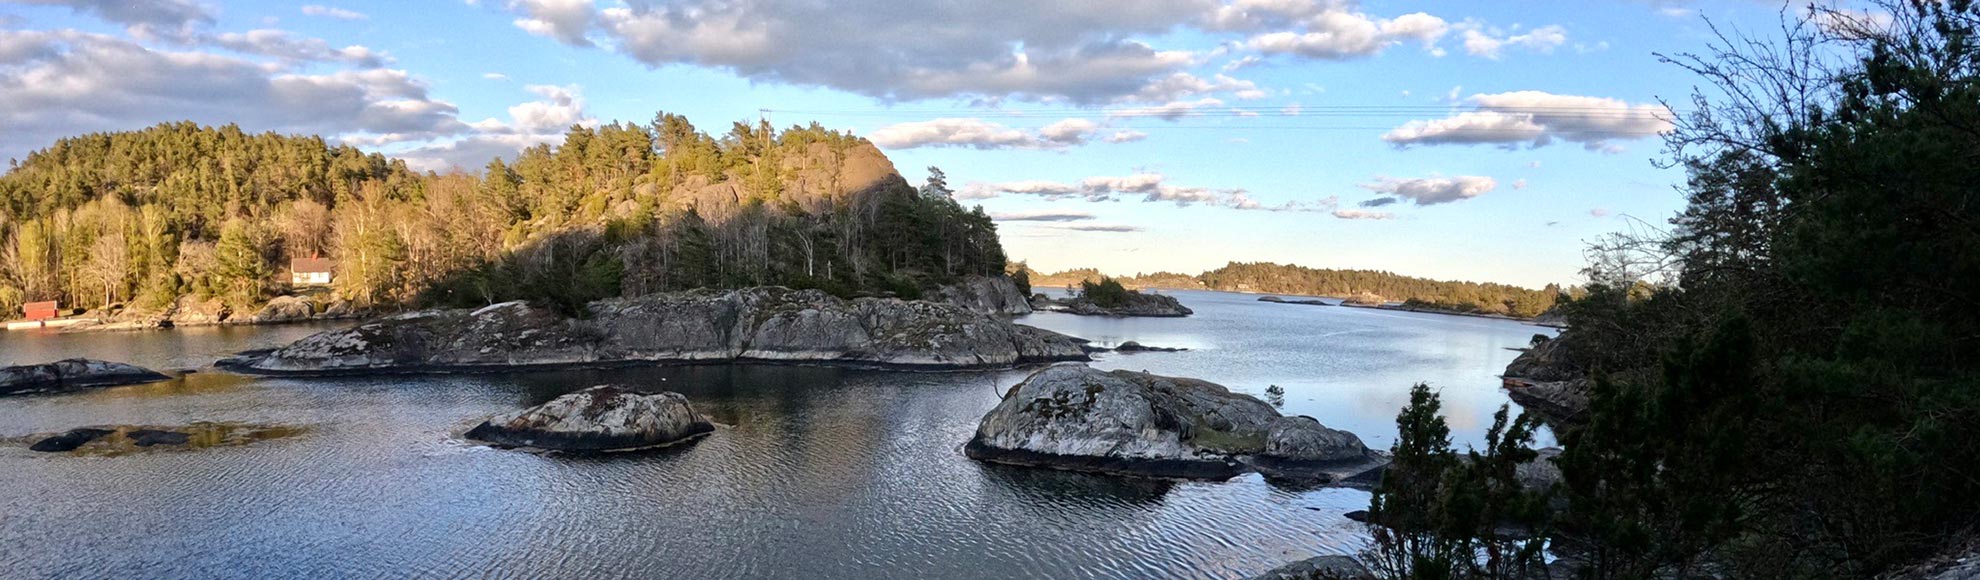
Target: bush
[1107, 293]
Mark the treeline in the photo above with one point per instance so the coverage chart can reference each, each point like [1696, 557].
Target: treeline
[144, 217]
[1270, 278]
[1799, 397]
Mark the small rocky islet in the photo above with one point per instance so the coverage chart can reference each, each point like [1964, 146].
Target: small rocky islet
[598, 419]
[1299, 301]
[1072, 416]
[1135, 304]
[72, 375]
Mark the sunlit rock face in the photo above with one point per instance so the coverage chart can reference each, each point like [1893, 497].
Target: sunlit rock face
[1071, 416]
[72, 374]
[759, 324]
[601, 418]
[985, 294]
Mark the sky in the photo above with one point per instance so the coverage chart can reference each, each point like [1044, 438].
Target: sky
[1484, 141]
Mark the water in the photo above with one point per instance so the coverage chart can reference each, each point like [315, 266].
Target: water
[820, 473]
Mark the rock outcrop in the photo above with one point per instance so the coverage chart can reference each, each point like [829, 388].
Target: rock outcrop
[1365, 299]
[191, 311]
[1300, 448]
[73, 374]
[1300, 301]
[601, 418]
[1132, 346]
[1547, 381]
[285, 309]
[1320, 568]
[756, 324]
[1137, 304]
[985, 294]
[1071, 416]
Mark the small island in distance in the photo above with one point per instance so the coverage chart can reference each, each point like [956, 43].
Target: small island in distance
[1367, 288]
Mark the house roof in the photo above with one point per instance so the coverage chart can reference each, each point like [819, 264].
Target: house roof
[312, 265]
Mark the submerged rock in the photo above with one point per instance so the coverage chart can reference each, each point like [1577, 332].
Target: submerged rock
[72, 374]
[760, 324]
[601, 418]
[1320, 568]
[68, 441]
[113, 440]
[1071, 416]
[150, 437]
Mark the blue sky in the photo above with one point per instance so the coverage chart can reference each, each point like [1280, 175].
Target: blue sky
[1459, 140]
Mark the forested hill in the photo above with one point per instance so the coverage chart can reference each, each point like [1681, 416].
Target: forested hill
[144, 217]
[1270, 278]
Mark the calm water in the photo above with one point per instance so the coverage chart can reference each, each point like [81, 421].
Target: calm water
[821, 472]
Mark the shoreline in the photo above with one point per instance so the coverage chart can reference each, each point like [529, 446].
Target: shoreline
[233, 365]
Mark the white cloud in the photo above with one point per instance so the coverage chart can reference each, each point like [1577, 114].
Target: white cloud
[1599, 212]
[495, 76]
[1519, 184]
[980, 134]
[63, 83]
[1147, 186]
[333, 12]
[281, 44]
[568, 21]
[1042, 216]
[1107, 228]
[173, 20]
[1126, 136]
[1358, 214]
[1537, 118]
[1491, 42]
[531, 123]
[1433, 190]
[1171, 111]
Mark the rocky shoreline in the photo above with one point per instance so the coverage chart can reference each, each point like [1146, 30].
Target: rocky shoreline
[765, 324]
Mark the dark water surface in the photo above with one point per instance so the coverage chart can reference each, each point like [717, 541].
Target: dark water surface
[820, 473]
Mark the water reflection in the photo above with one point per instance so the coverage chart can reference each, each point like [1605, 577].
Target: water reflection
[819, 472]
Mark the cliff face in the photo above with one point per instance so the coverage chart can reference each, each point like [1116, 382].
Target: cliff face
[985, 294]
[762, 324]
[1546, 380]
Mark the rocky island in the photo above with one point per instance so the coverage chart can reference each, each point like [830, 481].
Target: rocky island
[1300, 301]
[1108, 297]
[73, 374]
[1071, 416]
[601, 418]
[754, 324]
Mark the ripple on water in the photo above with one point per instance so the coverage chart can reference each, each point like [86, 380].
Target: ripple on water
[817, 473]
